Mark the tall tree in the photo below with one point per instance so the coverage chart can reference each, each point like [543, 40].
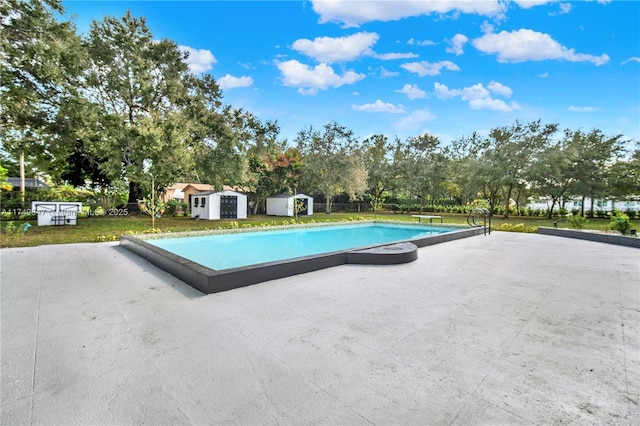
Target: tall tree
[593, 170]
[273, 173]
[376, 154]
[625, 176]
[40, 67]
[514, 148]
[419, 167]
[463, 154]
[139, 88]
[332, 165]
[554, 171]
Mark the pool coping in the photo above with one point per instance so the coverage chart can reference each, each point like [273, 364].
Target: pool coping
[209, 280]
[617, 239]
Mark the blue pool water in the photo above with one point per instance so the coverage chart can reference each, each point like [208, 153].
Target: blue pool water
[225, 251]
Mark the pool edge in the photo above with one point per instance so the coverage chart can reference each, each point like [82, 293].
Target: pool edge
[209, 281]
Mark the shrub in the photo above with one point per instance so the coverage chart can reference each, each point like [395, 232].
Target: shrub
[105, 238]
[177, 208]
[620, 222]
[16, 231]
[577, 221]
[520, 227]
[479, 204]
[631, 213]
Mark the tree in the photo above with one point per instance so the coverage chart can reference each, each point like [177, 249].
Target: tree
[4, 185]
[420, 167]
[332, 165]
[553, 173]
[485, 172]
[40, 74]
[513, 150]
[139, 89]
[625, 176]
[463, 154]
[593, 169]
[276, 172]
[376, 156]
[82, 166]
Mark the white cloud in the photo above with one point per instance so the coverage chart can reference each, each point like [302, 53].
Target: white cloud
[543, 75]
[632, 59]
[230, 82]
[456, 43]
[478, 96]
[354, 13]
[199, 60]
[528, 45]
[412, 42]
[583, 109]
[344, 49]
[490, 103]
[391, 56]
[414, 120]
[425, 68]
[337, 49]
[528, 4]
[412, 91]
[500, 89]
[385, 73]
[309, 80]
[486, 27]
[378, 106]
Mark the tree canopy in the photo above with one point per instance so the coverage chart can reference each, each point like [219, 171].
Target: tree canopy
[116, 106]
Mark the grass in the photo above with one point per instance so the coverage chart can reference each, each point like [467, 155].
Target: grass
[110, 228]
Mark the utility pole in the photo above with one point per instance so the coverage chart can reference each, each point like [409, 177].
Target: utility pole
[22, 186]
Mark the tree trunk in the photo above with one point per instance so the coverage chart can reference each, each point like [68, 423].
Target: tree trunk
[327, 205]
[507, 202]
[553, 204]
[134, 192]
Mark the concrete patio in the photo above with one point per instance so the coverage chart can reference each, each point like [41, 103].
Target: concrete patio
[503, 329]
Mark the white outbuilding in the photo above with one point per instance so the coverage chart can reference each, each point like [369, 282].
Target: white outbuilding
[284, 205]
[56, 212]
[213, 205]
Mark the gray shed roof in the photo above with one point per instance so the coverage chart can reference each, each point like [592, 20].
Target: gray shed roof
[28, 183]
[290, 196]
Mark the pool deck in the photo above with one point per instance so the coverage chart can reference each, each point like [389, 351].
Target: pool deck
[503, 329]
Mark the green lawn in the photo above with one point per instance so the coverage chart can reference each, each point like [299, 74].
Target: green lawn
[110, 228]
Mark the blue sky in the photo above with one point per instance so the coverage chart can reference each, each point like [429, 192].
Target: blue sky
[402, 68]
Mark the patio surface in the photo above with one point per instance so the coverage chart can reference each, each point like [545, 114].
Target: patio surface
[503, 329]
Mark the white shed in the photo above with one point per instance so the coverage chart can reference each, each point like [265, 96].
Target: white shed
[283, 205]
[219, 205]
[56, 212]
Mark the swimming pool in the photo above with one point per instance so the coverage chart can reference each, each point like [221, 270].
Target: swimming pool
[223, 260]
[225, 251]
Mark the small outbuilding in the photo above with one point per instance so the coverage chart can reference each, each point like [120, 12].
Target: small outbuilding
[56, 212]
[284, 205]
[213, 205]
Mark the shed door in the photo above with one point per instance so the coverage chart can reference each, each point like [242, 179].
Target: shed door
[228, 207]
[305, 205]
